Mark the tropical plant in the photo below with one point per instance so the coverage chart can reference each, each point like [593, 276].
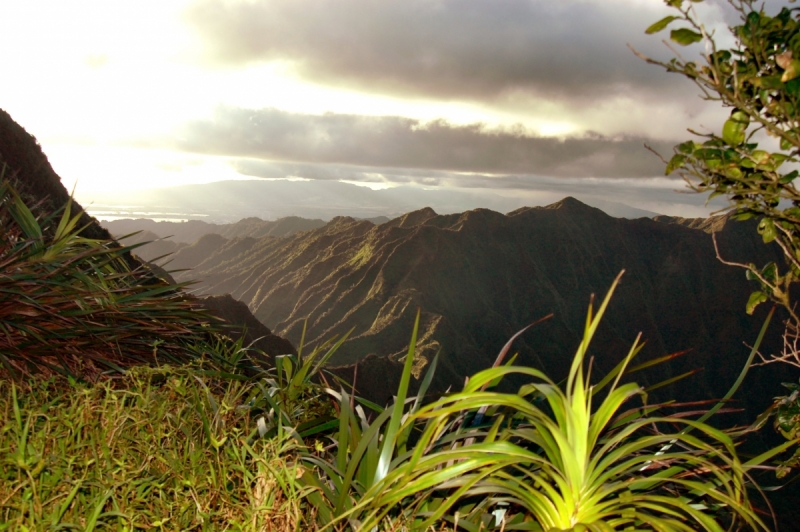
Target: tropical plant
[363, 451]
[545, 458]
[758, 78]
[291, 395]
[73, 305]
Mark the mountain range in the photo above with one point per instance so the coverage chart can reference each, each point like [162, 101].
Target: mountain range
[480, 276]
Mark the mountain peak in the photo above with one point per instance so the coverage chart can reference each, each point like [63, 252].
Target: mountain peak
[418, 217]
[571, 204]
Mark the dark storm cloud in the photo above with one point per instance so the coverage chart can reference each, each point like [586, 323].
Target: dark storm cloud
[446, 49]
[396, 142]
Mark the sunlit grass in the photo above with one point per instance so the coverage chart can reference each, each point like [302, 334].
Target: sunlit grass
[156, 449]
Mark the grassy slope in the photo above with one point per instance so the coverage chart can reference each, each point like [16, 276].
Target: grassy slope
[133, 453]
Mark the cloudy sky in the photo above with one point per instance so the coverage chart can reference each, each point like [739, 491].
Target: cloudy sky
[514, 96]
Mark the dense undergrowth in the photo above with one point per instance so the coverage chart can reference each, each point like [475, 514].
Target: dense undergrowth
[120, 440]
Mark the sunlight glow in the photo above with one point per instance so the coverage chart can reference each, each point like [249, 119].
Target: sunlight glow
[100, 168]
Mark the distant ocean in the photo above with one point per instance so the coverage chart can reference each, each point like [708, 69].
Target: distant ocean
[109, 213]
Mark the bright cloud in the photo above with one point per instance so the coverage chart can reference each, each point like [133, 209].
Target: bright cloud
[127, 95]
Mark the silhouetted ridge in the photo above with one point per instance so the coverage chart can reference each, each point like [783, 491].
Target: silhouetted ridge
[480, 219]
[711, 224]
[190, 231]
[574, 207]
[32, 175]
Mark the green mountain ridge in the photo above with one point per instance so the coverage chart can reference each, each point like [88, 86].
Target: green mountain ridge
[479, 276]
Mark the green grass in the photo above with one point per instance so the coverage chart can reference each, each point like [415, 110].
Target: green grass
[161, 449]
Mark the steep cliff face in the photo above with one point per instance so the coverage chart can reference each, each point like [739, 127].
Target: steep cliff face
[480, 276]
[241, 321]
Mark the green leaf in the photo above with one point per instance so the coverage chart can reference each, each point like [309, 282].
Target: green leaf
[660, 25]
[756, 298]
[791, 72]
[785, 144]
[770, 271]
[733, 172]
[778, 159]
[388, 444]
[767, 230]
[733, 132]
[686, 147]
[676, 162]
[788, 178]
[685, 36]
[793, 87]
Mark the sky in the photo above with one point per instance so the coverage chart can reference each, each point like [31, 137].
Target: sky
[516, 97]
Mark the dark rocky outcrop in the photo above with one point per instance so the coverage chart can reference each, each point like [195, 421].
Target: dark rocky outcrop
[32, 175]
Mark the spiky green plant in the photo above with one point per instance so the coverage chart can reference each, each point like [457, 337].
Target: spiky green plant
[73, 305]
[553, 458]
[363, 451]
[291, 395]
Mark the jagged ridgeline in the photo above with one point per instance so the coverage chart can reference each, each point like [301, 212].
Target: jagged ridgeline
[72, 300]
[480, 276]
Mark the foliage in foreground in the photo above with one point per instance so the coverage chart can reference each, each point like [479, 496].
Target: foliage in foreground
[758, 78]
[157, 449]
[72, 305]
[546, 458]
[177, 449]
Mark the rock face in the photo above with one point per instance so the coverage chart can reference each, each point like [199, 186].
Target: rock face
[480, 276]
[28, 169]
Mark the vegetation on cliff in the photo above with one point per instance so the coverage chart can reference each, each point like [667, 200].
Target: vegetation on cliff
[172, 448]
[220, 444]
